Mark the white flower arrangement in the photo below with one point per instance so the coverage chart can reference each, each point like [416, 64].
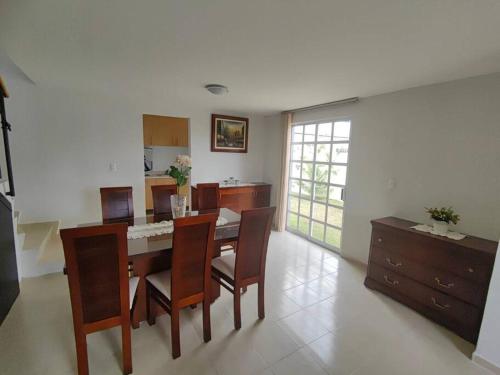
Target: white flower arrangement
[181, 171]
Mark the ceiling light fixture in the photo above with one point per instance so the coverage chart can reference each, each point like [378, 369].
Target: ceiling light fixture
[217, 89]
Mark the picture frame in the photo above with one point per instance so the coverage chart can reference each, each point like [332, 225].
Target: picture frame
[229, 134]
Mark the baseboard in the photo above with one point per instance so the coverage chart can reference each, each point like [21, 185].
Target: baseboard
[477, 359]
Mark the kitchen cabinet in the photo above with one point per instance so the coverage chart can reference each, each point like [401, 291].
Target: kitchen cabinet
[161, 180]
[165, 131]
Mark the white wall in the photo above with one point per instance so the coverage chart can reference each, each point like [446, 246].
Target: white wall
[488, 345]
[441, 145]
[64, 140]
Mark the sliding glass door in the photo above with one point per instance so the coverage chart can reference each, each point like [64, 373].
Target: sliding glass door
[317, 179]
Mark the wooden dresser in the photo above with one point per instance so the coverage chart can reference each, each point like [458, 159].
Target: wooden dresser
[443, 279]
[239, 198]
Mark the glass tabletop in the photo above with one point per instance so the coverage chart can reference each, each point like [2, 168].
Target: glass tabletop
[164, 242]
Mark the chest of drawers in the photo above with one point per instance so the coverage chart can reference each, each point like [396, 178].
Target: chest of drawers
[443, 279]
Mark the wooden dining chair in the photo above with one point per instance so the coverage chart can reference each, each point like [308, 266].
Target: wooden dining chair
[161, 198]
[248, 266]
[102, 295]
[208, 196]
[188, 282]
[117, 203]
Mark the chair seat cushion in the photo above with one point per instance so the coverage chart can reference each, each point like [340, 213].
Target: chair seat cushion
[225, 264]
[161, 281]
[133, 282]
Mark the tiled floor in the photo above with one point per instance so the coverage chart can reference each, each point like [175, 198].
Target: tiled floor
[320, 320]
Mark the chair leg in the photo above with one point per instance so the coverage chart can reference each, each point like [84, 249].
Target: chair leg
[237, 307]
[262, 313]
[151, 318]
[133, 322]
[174, 327]
[126, 349]
[207, 331]
[81, 353]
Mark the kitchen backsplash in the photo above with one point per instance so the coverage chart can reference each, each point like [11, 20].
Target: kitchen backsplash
[164, 156]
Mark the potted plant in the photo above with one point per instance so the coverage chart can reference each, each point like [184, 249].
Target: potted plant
[442, 218]
[180, 172]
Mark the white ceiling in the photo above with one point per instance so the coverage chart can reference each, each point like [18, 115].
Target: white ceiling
[272, 54]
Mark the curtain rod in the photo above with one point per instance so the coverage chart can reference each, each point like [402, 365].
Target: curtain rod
[335, 103]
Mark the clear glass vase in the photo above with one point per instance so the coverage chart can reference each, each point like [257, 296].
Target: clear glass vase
[178, 204]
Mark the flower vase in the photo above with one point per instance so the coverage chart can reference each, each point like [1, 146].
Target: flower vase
[178, 204]
[440, 227]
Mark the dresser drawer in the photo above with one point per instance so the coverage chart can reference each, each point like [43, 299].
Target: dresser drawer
[443, 281]
[447, 306]
[434, 253]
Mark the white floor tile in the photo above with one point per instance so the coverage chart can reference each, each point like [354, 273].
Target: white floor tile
[320, 319]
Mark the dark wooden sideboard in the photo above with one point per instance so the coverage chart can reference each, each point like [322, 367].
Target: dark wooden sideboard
[443, 279]
[239, 198]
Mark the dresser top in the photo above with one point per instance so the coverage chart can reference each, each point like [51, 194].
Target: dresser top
[240, 185]
[471, 242]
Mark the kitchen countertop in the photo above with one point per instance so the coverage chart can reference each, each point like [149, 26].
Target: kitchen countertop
[158, 176]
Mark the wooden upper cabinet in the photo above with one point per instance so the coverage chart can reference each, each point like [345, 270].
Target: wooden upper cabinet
[165, 131]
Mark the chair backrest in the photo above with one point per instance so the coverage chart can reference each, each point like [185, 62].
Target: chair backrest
[193, 246]
[97, 267]
[255, 228]
[208, 196]
[117, 203]
[161, 198]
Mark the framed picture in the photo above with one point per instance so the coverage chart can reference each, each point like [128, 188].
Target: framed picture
[229, 134]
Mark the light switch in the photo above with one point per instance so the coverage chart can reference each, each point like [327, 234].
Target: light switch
[113, 166]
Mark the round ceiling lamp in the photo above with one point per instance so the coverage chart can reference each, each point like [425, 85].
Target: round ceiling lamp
[217, 89]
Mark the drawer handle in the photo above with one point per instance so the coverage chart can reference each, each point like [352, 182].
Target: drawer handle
[437, 304]
[389, 281]
[379, 239]
[471, 270]
[389, 260]
[447, 286]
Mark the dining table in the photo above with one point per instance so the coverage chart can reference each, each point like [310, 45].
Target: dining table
[154, 253]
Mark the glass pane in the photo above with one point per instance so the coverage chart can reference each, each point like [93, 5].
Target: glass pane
[323, 152]
[318, 231]
[334, 216]
[307, 171]
[321, 173]
[341, 130]
[339, 152]
[297, 152]
[309, 133]
[306, 190]
[293, 219]
[308, 153]
[325, 132]
[305, 207]
[338, 174]
[320, 192]
[304, 225]
[295, 169]
[297, 132]
[335, 196]
[319, 211]
[293, 204]
[332, 237]
[294, 187]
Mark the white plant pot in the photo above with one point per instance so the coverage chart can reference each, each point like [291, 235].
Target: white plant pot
[440, 227]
